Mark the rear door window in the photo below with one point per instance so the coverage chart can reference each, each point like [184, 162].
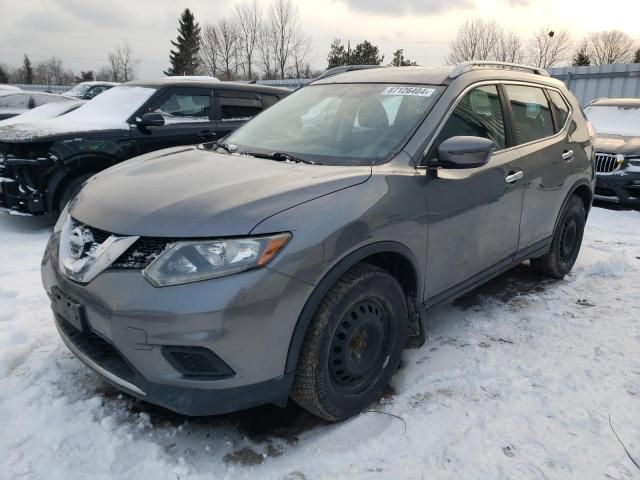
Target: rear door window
[560, 108]
[238, 105]
[479, 114]
[185, 106]
[531, 113]
[268, 100]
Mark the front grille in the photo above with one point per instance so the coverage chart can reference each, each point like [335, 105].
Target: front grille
[139, 255]
[606, 163]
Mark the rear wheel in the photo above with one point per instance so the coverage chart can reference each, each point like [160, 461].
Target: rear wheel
[566, 242]
[71, 189]
[353, 345]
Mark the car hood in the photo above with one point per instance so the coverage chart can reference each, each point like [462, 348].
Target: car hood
[607, 143]
[191, 192]
[56, 128]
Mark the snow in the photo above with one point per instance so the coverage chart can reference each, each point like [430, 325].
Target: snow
[112, 108]
[516, 380]
[615, 120]
[46, 111]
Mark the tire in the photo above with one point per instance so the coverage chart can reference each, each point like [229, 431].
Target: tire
[353, 345]
[71, 189]
[566, 242]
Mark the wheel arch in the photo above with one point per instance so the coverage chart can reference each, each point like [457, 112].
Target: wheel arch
[583, 189]
[74, 167]
[391, 256]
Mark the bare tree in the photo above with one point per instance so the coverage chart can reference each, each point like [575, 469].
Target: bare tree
[284, 21]
[508, 48]
[547, 48]
[476, 40]
[50, 72]
[609, 47]
[122, 63]
[301, 53]
[228, 41]
[266, 52]
[249, 19]
[210, 51]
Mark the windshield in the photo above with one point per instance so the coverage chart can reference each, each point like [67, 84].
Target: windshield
[615, 120]
[114, 106]
[338, 124]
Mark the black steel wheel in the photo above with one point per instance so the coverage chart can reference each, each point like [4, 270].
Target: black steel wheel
[566, 242]
[353, 345]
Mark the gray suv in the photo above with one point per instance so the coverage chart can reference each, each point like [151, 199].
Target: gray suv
[296, 258]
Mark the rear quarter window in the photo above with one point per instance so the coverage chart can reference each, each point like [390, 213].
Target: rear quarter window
[560, 108]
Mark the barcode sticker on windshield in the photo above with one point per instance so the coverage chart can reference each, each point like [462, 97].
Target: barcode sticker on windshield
[417, 91]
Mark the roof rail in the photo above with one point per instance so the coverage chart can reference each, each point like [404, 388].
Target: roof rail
[345, 68]
[465, 67]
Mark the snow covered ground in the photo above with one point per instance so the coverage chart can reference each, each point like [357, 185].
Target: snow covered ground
[517, 380]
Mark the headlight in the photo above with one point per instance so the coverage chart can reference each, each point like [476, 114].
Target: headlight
[186, 262]
[635, 161]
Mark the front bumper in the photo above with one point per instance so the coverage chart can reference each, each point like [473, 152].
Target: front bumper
[16, 197]
[621, 187]
[246, 320]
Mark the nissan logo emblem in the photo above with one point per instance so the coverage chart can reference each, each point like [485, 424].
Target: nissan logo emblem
[80, 242]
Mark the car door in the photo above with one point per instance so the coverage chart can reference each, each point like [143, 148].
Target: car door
[473, 215]
[235, 107]
[546, 159]
[187, 120]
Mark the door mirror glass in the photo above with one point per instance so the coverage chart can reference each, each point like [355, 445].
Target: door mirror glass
[151, 119]
[465, 152]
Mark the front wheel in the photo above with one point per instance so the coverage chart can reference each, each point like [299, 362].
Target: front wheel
[566, 242]
[353, 345]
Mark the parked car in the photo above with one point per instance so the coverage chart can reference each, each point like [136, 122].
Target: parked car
[617, 123]
[48, 161]
[19, 102]
[88, 90]
[286, 261]
[44, 112]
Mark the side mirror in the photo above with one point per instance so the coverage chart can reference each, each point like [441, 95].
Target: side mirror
[464, 152]
[151, 119]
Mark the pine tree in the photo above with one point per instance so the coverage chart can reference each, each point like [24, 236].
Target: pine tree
[581, 58]
[636, 56]
[400, 61]
[184, 58]
[366, 53]
[337, 54]
[4, 78]
[27, 70]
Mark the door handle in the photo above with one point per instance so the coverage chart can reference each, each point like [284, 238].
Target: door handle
[567, 156]
[514, 176]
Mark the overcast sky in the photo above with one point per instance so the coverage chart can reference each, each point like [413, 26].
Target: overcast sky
[82, 32]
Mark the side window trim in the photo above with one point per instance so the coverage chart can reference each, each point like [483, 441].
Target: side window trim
[552, 108]
[507, 116]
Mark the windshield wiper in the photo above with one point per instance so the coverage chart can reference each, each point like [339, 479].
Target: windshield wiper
[230, 148]
[281, 157]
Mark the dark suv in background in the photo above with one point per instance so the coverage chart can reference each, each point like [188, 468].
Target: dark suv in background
[617, 123]
[45, 163]
[296, 257]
